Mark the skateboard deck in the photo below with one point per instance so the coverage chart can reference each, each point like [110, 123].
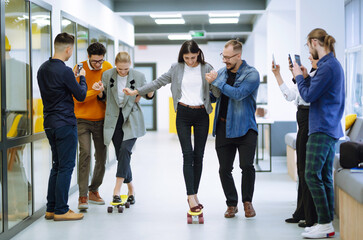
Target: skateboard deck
[120, 205]
[195, 217]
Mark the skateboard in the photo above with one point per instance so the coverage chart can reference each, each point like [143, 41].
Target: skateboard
[120, 205]
[195, 217]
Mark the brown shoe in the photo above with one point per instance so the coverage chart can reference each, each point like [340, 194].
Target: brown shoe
[231, 212]
[95, 198]
[249, 211]
[49, 215]
[68, 216]
[82, 203]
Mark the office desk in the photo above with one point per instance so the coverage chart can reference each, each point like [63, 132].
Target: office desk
[263, 161]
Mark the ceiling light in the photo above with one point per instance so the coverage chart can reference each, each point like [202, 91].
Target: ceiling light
[177, 15]
[179, 37]
[212, 15]
[170, 21]
[222, 20]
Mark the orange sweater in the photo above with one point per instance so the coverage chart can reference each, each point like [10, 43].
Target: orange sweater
[91, 108]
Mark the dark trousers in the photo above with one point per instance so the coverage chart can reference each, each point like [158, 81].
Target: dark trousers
[186, 118]
[85, 130]
[305, 208]
[123, 150]
[63, 142]
[226, 150]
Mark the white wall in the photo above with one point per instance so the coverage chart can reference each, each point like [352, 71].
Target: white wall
[95, 14]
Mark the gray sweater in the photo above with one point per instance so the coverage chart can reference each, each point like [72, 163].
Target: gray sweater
[175, 77]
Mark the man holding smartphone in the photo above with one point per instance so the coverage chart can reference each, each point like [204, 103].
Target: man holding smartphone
[326, 93]
[90, 116]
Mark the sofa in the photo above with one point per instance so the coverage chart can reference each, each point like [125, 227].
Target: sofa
[349, 192]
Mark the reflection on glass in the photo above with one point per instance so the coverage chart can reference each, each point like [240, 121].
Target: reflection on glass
[17, 68]
[82, 43]
[121, 47]
[111, 51]
[354, 72]
[42, 157]
[41, 51]
[69, 26]
[19, 184]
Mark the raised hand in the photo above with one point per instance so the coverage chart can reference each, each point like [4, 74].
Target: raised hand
[211, 76]
[98, 86]
[130, 92]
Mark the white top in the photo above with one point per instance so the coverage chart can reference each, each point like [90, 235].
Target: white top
[192, 91]
[121, 84]
[292, 94]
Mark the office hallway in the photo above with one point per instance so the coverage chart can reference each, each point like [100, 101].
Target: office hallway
[161, 206]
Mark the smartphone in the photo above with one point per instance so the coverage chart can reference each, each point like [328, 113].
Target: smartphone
[290, 63]
[273, 60]
[297, 59]
[79, 67]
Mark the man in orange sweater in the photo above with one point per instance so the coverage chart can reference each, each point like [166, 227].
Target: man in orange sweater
[90, 115]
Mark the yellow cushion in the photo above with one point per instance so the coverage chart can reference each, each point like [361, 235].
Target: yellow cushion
[349, 120]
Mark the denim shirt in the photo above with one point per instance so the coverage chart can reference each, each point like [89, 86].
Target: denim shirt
[242, 100]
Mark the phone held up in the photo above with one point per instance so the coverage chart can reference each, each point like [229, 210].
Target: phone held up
[79, 67]
[290, 63]
[297, 59]
[273, 60]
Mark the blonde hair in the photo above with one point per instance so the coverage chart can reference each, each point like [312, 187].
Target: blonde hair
[122, 57]
[324, 39]
[237, 45]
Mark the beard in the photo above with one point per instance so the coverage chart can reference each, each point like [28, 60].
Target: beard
[230, 66]
[314, 54]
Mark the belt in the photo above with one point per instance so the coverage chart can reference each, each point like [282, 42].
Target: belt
[192, 107]
[303, 107]
[222, 119]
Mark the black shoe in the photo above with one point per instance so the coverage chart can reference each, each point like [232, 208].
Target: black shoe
[116, 199]
[304, 225]
[292, 220]
[131, 199]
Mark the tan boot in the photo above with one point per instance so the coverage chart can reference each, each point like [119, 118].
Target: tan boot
[82, 203]
[95, 198]
[249, 211]
[49, 215]
[68, 216]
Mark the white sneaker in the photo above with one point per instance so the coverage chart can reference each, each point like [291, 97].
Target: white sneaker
[308, 229]
[320, 231]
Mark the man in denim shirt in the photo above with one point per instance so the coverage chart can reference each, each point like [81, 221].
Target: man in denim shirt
[235, 125]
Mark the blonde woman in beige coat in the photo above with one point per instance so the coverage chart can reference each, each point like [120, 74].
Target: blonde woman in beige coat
[124, 121]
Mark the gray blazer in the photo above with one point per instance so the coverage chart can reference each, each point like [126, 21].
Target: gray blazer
[175, 77]
[134, 125]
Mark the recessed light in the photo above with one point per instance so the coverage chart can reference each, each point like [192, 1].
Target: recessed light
[222, 20]
[179, 37]
[177, 15]
[170, 21]
[212, 15]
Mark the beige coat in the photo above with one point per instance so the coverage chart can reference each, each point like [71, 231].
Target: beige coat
[134, 125]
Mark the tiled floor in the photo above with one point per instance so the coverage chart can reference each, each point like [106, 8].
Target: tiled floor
[161, 206]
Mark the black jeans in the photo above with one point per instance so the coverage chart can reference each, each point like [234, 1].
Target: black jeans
[123, 150]
[305, 208]
[226, 150]
[186, 118]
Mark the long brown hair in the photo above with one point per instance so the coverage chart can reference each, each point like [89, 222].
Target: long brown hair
[190, 46]
[324, 39]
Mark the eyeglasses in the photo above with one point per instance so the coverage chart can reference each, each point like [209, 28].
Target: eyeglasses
[227, 58]
[97, 62]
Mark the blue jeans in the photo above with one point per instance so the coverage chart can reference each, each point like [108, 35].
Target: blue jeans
[186, 118]
[63, 142]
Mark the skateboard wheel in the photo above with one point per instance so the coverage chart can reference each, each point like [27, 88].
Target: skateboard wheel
[201, 220]
[109, 209]
[127, 205]
[120, 209]
[190, 220]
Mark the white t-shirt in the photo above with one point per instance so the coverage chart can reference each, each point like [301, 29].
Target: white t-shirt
[121, 84]
[192, 91]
